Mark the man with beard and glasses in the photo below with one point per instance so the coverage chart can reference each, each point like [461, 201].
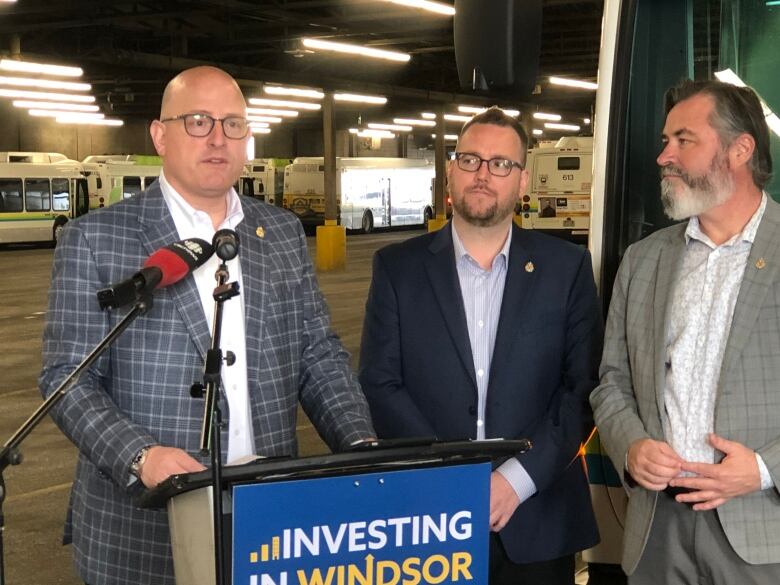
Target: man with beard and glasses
[483, 330]
[688, 404]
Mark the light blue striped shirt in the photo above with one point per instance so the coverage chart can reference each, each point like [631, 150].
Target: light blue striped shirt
[482, 292]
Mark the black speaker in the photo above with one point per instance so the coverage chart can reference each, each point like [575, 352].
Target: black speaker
[497, 44]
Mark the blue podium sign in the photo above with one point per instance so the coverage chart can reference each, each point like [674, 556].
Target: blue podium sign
[407, 527]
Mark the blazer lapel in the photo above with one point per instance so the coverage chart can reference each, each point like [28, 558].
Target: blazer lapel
[519, 282]
[252, 253]
[761, 272]
[668, 264]
[443, 276]
[158, 231]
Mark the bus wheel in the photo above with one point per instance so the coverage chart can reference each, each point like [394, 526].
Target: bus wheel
[59, 224]
[367, 225]
[427, 216]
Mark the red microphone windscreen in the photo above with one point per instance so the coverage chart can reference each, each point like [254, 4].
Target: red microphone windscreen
[172, 266]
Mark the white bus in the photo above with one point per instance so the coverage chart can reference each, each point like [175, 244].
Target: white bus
[263, 178]
[38, 198]
[113, 177]
[558, 196]
[370, 191]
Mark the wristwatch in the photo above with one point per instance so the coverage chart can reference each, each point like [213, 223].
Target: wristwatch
[138, 462]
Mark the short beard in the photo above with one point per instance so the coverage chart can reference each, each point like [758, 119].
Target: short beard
[696, 195]
[489, 217]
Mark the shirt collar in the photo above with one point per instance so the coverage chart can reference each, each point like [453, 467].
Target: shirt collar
[182, 210]
[748, 233]
[461, 252]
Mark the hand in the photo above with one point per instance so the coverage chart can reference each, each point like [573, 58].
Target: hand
[162, 462]
[653, 463]
[503, 501]
[716, 483]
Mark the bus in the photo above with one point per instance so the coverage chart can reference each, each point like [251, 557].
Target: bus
[648, 46]
[558, 197]
[370, 191]
[38, 198]
[113, 177]
[263, 178]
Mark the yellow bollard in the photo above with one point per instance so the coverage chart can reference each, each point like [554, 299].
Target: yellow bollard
[331, 246]
[436, 223]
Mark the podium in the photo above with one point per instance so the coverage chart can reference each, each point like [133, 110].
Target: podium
[393, 512]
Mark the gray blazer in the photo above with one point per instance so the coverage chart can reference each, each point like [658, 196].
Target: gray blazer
[629, 403]
[137, 393]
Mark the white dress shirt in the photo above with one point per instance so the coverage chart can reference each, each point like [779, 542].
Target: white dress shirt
[703, 302]
[193, 223]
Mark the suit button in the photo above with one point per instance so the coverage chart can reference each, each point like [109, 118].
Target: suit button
[472, 410]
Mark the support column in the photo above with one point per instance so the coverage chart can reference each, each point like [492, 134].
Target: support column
[440, 164]
[331, 237]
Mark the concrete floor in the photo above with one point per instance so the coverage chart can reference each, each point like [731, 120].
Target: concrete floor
[38, 489]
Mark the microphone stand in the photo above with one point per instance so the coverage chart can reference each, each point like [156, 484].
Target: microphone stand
[10, 454]
[212, 414]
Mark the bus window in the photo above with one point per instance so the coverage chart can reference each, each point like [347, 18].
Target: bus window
[37, 195]
[132, 186]
[82, 197]
[98, 182]
[148, 181]
[10, 195]
[569, 163]
[60, 194]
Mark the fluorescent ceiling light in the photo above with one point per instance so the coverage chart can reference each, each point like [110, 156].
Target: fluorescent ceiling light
[476, 110]
[396, 127]
[27, 67]
[43, 95]
[58, 113]
[728, 76]
[555, 126]
[272, 112]
[356, 50]
[586, 121]
[375, 134]
[545, 116]
[538, 132]
[44, 83]
[54, 106]
[773, 3]
[574, 83]
[76, 119]
[259, 124]
[284, 104]
[269, 119]
[429, 115]
[456, 118]
[293, 91]
[447, 136]
[414, 122]
[363, 99]
[259, 130]
[437, 7]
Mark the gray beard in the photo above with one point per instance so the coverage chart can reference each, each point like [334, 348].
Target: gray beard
[697, 195]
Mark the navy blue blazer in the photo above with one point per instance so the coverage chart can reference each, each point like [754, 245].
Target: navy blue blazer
[417, 371]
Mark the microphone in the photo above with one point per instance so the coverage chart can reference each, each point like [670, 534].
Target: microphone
[225, 244]
[163, 268]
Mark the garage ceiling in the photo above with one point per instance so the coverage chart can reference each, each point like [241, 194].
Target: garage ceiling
[129, 50]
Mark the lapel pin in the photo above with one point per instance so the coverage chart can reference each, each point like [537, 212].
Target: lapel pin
[529, 267]
[760, 263]
[260, 232]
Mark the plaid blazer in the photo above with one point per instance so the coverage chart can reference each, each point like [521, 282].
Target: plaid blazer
[137, 393]
[629, 403]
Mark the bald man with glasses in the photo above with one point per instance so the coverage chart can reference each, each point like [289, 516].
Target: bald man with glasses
[482, 330]
[131, 415]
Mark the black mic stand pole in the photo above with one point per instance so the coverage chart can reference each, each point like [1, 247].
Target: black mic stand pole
[212, 415]
[10, 454]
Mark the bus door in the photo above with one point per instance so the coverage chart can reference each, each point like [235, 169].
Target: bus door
[387, 207]
[79, 197]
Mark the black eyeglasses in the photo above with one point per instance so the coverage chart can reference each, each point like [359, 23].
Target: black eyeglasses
[500, 167]
[200, 125]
